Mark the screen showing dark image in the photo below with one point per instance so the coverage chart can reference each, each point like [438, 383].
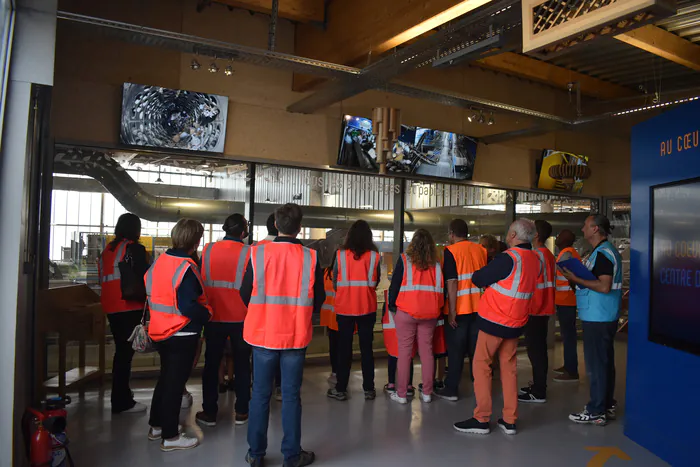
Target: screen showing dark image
[675, 285]
[159, 117]
[418, 151]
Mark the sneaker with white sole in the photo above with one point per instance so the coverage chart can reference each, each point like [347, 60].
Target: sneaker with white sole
[186, 401]
[155, 433]
[611, 413]
[530, 398]
[473, 426]
[396, 398]
[588, 418]
[137, 408]
[566, 378]
[180, 443]
[507, 428]
[445, 394]
[427, 398]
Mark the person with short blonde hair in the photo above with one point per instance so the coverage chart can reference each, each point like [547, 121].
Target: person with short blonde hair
[187, 234]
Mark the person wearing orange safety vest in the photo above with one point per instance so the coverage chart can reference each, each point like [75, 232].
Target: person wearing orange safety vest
[391, 345]
[283, 288]
[462, 259]
[356, 274]
[565, 300]
[179, 310]
[416, 298]
[329, 320]
[538, 324]
[223, 266]
[504, 309]
[123, 315]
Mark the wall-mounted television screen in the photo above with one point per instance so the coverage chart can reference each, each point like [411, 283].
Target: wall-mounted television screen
[674, 315]
[159, 117]
[551, 158]
[418, 151]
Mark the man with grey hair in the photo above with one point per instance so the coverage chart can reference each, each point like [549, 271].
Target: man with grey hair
[511, 278]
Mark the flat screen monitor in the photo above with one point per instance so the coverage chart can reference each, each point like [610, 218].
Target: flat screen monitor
[158, 117]
[551, 158]
[418, 151]
[674, 311]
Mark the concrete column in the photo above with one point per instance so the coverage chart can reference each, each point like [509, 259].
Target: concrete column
[32, 62]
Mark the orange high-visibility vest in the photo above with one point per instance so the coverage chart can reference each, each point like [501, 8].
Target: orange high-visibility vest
[263, 242]
[421, 294]
[111, 282]
[282, 301]
[162, 281]
[356, 283]
[439, 343]
[223, 267]
[507, 302]
[469, 258]
[543, 299]
[391, 341]
[565, 295]
[328, 318]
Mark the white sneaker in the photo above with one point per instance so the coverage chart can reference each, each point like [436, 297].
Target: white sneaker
[427, 398]
[137, 408]
[186, 401]
[155, 433]
[396, 398]
[181, 443]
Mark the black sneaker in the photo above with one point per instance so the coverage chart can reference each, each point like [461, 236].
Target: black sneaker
[526, 390]
[611, 413]
[438, 384]
[507, 428]
[205, 419]
[370, 395]
[445, 394]
[337, 395]
[586, 417]
[389, 388]
[531, 398]
[240, 418]
[223, 387]
[254, 461]
[411, 391]
[473, 426]
[305, 458]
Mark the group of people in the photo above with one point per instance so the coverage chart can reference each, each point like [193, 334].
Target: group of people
[474, 300]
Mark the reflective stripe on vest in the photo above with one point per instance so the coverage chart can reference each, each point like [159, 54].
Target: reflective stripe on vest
[116, 275]
[472, 290]
[240, 269]
[411, 287]
[547, 283]
[262, 298]
[344, 271]
[617, 278]
[391, 324]
[173, 310]
[513, 292]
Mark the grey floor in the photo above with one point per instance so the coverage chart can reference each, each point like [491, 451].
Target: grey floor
[359, 433]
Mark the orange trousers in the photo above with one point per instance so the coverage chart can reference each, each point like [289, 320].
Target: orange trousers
[486, 347]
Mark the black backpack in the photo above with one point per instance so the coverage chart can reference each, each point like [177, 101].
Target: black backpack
[132, 277]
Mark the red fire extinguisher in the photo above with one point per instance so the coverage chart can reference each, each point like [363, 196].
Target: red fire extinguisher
[48, 443]
[40, 454]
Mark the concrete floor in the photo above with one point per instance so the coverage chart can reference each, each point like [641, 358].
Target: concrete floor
[373, 433]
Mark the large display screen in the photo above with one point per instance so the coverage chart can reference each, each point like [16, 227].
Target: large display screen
[674, 315]
[551, 158]
[419, 151]
[159, 117]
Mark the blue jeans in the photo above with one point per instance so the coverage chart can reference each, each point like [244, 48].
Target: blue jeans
[599, 352]
[265, 364]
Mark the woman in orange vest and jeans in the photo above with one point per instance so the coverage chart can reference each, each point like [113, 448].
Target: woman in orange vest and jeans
[179, 310]
[356, 276]
[416, 296]
[123, 315]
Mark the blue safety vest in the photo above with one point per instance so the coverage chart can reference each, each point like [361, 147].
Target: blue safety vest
[596, 306]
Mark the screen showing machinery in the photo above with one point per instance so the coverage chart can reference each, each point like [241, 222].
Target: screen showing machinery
[562, 171]
[418, 151]
[159, 117]
[674, 316]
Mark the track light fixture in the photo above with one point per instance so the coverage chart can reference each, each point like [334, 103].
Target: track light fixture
[213, 67]
[228, 71]
[491, 121]
[481, 117]
[195, 65]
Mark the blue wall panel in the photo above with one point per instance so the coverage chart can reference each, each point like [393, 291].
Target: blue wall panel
[663, 384]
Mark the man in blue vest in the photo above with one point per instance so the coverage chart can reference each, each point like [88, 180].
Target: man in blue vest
[598, 304]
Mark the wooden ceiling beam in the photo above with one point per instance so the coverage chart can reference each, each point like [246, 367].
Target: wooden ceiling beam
[304, 11]
[359, 29]
[543, 72]
[665, 44]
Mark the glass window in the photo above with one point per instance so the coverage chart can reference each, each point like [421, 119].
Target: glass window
[5, 41]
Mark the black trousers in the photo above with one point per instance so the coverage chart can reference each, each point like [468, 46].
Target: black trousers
[122, 325]
[391, 370]
[365, 330]
[599, 352]
[461, 343]
[567, 326]
[536, 342]
[215, 335]
[333, 350]
[176, 359]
